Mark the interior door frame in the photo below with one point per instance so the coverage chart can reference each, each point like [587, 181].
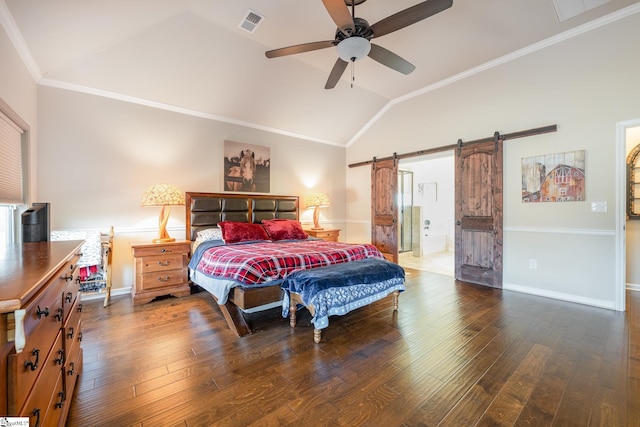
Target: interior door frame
[621, 213]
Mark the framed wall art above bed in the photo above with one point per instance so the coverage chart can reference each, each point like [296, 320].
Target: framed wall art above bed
[247, 167]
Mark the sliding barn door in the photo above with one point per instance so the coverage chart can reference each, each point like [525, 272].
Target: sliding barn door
[384, 207]
[478, 232]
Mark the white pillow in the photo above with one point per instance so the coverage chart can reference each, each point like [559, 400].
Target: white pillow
[206, 235]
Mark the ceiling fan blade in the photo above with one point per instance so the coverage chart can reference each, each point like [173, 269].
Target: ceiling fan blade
[336, 73]
[390, 59]
[340, 14]
[299, 48]
[409, 16]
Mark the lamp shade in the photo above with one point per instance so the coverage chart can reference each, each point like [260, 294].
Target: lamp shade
[353, 48]
[162, 195]
[317, 199]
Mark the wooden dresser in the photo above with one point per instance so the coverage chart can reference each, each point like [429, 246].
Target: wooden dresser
[40, 330]
[160, 269]
[330, 235]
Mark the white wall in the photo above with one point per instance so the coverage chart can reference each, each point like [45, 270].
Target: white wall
[97, 156]
[585, 85]
[19, 91]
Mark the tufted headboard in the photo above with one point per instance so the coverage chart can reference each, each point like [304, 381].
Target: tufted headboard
[205, 210]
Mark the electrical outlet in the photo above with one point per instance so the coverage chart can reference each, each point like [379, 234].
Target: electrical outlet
[533, 263]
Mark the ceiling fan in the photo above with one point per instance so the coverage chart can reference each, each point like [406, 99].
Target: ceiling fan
[354, 34]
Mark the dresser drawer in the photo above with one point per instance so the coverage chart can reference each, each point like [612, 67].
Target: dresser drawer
[69, 296]
[72, 368]
[71, 334]
[45, 313]
[161, 263]
[45, 404]
[163, 278]
[48, 365]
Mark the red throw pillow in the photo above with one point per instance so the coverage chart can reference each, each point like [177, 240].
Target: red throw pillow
[233, 232]
[284, 229]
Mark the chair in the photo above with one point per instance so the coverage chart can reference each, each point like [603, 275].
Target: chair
[94, 267]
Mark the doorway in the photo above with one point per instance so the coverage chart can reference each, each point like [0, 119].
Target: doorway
[433, 213]
[405, 206]
[632, 229]
[627, 237]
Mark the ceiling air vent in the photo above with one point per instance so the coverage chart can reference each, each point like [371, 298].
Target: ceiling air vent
[251, 21]
[567, 9]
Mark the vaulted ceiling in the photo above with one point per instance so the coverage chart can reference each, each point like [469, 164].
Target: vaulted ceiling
[192, 56]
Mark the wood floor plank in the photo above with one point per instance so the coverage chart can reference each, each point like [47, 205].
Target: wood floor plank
[453, 354]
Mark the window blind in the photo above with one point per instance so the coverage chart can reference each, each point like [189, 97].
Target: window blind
[10, 162]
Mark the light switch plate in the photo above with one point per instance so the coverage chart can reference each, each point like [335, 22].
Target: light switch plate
[598, 206]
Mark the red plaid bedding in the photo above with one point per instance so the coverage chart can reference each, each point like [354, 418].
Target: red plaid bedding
[258, 263]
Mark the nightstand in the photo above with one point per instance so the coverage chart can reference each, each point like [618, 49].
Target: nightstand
[160, 269]
[330, 235]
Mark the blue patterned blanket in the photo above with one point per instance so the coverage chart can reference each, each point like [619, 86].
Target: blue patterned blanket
[340, 288]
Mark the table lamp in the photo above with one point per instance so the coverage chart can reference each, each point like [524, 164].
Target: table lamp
[317, 201]
[164, 195]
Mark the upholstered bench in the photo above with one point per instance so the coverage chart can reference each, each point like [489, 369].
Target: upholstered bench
[340, 288]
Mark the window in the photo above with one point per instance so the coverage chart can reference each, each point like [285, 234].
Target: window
[13, 149]
[633, 183]
[7, 215]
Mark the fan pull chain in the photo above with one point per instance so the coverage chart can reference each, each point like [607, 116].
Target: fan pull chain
[353, 77]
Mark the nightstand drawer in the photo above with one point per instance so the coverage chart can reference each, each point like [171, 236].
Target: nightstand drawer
[330, 235]
[161, 263]
[159, 249]
[325, 234]
[161, 279]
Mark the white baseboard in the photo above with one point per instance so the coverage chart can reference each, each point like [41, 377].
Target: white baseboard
[100, 295]
[560, 296]
[633, 287]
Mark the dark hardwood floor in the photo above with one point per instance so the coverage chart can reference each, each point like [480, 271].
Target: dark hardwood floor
[454, 355]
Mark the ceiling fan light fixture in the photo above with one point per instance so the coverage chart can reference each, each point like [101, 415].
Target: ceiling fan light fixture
[353, 49]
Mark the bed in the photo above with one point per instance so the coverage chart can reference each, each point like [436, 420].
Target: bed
[245, 272]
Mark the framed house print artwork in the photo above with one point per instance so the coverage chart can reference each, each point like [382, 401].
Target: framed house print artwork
[246, 167]
[558, 177]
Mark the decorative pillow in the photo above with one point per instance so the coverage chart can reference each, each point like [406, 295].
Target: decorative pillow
[233, 232]
[206, 235]
[284, 229]
[214, 233]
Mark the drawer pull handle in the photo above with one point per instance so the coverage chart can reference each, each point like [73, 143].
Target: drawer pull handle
[80, 336]
[33, 365]
[69, 296]
[60, 360]
[59, 313]
[72, 370]
[44, 312]
[164, 263]
[61, 401]
[70, 333]
[79, 308]
[163, 279]
[36, 413]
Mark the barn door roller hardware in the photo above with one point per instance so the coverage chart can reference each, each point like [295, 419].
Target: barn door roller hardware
[460, 144]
